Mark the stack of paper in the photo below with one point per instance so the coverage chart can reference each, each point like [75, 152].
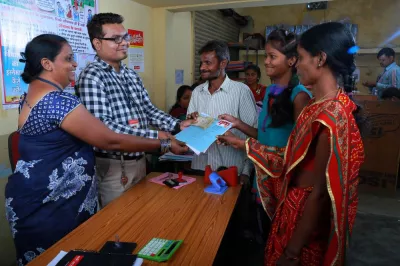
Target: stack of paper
[169, 156]
[61, 255]
[200, 136]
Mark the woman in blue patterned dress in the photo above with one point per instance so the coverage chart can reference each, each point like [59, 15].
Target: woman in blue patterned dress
[53, 189]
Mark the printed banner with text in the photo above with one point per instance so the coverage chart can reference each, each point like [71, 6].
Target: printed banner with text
[22, 20]
[136, 50]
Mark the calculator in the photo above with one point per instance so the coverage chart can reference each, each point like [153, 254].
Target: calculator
[159, 250]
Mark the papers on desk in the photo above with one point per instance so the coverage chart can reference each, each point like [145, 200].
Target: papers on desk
[161, 178]
[200, 136]
[169, 156]
[58, 258]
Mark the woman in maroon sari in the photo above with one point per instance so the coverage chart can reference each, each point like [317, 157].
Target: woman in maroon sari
[312, 192]
[179, 109]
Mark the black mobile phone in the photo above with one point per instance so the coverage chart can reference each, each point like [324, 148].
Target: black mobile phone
[171, 183]
[112, 247]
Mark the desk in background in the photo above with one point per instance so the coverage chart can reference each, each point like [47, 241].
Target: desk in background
[361, 98]
[149, 210]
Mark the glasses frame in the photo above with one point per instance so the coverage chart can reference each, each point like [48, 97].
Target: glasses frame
[118, 40]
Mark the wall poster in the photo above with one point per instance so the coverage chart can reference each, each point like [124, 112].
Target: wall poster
[136, 51]
[22, 20]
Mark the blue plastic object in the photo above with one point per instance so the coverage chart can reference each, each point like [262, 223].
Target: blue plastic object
[353, 49]
[218, 185]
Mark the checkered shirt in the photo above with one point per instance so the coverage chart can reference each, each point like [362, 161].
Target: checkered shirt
[116, 98]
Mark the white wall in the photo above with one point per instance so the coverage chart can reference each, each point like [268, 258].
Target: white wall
[180, 56]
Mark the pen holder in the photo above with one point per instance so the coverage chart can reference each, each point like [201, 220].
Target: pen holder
[230, 175]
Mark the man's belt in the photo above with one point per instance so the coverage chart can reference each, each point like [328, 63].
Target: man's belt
[118, 157]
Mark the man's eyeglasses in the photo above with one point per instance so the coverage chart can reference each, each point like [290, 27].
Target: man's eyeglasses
[118, 39]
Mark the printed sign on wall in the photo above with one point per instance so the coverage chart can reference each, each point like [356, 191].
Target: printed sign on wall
[136, 50]
[22, 20]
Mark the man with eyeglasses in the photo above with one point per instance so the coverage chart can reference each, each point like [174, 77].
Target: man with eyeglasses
[115, 94]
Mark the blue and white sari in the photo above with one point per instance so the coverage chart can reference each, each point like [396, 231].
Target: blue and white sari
[53, 188]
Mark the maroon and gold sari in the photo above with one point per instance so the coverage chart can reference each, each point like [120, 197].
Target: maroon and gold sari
[285, 204]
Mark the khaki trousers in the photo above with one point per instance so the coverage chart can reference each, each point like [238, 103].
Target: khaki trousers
[109, 177]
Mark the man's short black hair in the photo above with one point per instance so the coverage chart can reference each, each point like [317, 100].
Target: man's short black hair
[95, 26]
[219, 47]
[389, 93]
[386, 51]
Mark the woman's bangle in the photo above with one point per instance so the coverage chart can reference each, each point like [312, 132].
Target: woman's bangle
[165, 145]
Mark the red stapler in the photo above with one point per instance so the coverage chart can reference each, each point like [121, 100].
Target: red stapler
[230, 175]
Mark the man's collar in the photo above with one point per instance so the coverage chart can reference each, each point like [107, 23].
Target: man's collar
[103, 64]
[224, 86]
[390, 66]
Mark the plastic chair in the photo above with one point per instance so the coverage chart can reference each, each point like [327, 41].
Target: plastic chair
[13, 153]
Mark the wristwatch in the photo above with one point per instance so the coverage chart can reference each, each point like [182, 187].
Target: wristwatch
[177, 128]
[165, 145]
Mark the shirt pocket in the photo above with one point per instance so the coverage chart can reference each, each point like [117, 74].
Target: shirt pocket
[387, 78]
[226, 104]
[133, 88]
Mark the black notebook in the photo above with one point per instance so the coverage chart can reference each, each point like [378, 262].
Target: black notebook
[91, 258]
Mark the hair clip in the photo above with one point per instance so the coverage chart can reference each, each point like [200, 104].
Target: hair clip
[23, 58]
[353, 49]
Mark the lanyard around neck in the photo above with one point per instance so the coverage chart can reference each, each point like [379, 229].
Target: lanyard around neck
[51, 83]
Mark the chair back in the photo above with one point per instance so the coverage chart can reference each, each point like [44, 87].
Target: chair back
[13, 153]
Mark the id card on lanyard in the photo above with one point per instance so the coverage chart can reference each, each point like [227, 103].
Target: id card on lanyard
[134, 123]
[124, 178]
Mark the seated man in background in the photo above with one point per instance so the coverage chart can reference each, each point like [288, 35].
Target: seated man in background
[221, 95]
[390, 77]
[391, 94]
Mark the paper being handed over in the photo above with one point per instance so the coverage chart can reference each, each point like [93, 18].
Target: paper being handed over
[204, 122]
[199, 137]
